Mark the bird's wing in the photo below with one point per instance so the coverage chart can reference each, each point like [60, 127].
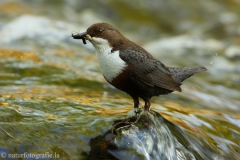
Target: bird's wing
[149, 70]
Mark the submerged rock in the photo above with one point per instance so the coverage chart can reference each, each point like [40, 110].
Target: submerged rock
[147, 136]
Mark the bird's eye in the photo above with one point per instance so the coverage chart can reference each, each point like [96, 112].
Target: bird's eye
[99, 31]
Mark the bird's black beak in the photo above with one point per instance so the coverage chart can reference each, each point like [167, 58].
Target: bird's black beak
[80, 36]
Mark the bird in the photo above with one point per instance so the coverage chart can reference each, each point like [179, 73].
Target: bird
[130, 68]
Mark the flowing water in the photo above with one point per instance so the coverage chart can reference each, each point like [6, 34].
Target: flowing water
[53, 98]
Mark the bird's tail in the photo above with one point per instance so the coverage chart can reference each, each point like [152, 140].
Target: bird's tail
[180, 74]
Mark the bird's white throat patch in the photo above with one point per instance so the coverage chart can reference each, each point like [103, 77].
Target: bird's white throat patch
[110, 63]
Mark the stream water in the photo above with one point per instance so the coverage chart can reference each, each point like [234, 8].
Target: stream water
[54, 99]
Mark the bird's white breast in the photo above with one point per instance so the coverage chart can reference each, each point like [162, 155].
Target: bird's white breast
[110, 63]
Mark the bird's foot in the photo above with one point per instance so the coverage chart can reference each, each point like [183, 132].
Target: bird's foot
[134, 112]
[137, 111]
[147, 108]
[130, 121]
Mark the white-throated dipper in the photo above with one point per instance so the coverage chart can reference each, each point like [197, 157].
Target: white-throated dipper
[130, 68]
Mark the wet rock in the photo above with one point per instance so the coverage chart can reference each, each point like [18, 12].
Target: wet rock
[147, 135]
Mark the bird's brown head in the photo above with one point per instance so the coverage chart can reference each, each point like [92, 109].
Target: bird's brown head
[98, 32]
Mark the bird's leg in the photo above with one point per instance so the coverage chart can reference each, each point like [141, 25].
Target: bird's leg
[136, 102]
[131, 121]
[137, 110]
[147, 105]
